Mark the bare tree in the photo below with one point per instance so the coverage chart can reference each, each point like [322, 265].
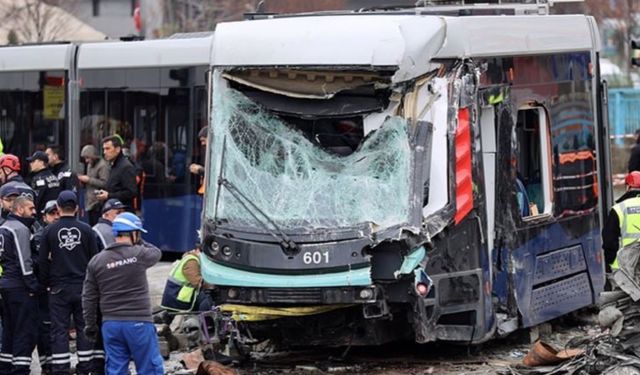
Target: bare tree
[37, 21]
[202, 15]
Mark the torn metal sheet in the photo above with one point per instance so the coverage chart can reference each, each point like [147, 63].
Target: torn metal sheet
[410, 262]
[308, 84]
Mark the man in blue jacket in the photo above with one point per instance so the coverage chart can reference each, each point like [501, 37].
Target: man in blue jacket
[19, 288]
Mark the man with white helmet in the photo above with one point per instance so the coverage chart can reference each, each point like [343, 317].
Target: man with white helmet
[116, 281]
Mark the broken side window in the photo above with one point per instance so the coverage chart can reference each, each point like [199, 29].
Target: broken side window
[533, 164]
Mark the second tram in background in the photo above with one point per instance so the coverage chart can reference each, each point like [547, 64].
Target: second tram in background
[152, 93]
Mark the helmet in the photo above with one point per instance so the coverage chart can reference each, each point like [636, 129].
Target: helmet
[633, 180]
[10, 161]
[127, 222]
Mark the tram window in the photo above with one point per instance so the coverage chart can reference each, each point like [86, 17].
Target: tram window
[93, 123]
[532, 163]
[157, 113]
[44, 107]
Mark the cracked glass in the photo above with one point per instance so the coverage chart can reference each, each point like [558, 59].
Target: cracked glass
[294, 181]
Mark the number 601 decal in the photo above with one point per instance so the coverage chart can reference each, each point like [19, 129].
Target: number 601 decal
[315, 257]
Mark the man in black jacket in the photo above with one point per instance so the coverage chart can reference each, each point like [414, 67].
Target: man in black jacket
[121, 184]
[68, 179]
[65, 250]
[19, 288]
[43, 181]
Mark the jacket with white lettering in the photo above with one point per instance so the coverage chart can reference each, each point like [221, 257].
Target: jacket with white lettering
[65, 250]
[117, 279]
[16, 258]
[47, 188]
[68, 179]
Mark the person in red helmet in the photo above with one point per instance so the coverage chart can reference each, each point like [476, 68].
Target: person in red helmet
[622, 226]
[10, 169]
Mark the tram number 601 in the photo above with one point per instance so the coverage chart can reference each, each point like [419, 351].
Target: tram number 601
[315, 257]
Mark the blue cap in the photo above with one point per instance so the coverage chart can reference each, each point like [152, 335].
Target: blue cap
[126, 222]
[49, 207]
[66, 197]
[39, 155]
[17, 188]
[113, 204]
[8, 190]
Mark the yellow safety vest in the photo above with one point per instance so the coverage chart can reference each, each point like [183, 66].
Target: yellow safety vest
[179, 295]
[628, 212]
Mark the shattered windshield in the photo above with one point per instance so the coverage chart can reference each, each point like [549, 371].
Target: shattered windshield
[293, 180]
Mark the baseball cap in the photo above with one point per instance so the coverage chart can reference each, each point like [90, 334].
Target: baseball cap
[65, 197]
[113, 204]
[49, 207]
[38, 155]
[8, 190]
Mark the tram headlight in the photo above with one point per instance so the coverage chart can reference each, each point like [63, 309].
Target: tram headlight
[215, 248]
[232, 293]
[226, 251]
[422, 289]
[366, 294]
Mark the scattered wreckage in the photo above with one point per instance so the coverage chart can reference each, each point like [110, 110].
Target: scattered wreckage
[424, 174]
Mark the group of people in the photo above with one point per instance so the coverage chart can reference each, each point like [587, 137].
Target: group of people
[56, 268]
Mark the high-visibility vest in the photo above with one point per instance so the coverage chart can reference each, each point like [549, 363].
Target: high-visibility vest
[179, 294]
[628, 212]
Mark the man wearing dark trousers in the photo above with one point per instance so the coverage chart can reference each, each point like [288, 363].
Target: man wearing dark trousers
[19, 288]
[121, 184]
[50, 216]
[65, 250]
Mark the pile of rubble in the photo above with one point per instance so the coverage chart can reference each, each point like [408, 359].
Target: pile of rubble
[616, 350]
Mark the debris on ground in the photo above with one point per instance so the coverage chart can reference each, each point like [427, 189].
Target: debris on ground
[544, 354]
[617, 349]
[214, 368]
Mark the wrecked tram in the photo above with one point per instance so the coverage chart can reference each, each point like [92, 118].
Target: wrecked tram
[378, 176]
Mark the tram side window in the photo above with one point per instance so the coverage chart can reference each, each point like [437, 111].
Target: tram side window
[32, 110]
[532, 162]
[153, 111]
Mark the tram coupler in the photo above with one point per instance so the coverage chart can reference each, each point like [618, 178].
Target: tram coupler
[378, 309]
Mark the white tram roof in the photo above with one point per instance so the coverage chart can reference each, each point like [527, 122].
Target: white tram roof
[396, 40]
[36, 57]
[145, 53]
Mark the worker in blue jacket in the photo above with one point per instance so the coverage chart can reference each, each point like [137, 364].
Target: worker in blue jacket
[19, 288]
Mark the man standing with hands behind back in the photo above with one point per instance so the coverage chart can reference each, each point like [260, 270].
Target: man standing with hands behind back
[121, 184]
